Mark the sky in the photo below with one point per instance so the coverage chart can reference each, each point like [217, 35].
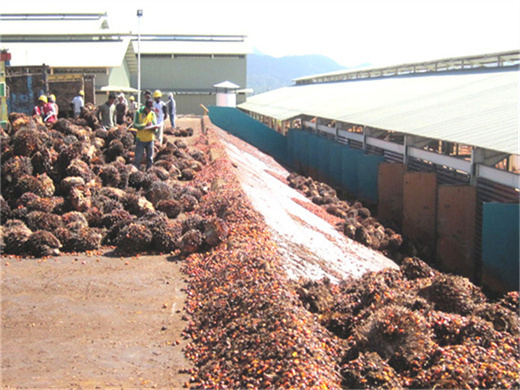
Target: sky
[352, 32]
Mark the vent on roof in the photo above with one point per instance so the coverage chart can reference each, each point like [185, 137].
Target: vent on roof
[192, 56]
[156, 55]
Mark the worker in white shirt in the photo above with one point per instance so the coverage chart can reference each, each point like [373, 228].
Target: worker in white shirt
[161, 112]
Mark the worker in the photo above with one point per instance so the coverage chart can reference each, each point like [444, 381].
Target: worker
[161, 112]
[78, 103]
[52, 99]
[38, 109]
[145, 122]
[171, 109]
[107, 112]
[121, 109]
[49, 112]
[147, 95]
[132, 107]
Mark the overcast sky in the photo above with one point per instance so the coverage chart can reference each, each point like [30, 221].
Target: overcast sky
[352, 32]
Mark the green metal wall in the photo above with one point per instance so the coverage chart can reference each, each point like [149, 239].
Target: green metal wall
[192, 75]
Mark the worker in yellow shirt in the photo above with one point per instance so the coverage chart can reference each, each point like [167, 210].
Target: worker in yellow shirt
[145, 122]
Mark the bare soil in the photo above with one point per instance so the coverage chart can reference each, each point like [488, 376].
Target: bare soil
[92, 322]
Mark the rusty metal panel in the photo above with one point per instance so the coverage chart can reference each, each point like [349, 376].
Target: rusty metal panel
[390, 192]
[419, 210]
[456, 220]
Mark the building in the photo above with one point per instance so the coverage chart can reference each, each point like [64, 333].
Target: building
[70, 45]
[433, 146]
[187, 65]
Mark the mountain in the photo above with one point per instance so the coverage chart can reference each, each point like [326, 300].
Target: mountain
[265, 73]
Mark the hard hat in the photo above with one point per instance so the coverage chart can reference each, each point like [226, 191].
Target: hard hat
[82, 93]
[52, 97]
[43, 98]
[132, 98]
[157, 93]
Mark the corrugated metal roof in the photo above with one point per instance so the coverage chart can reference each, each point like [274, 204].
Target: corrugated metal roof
[91, 54]
[470, 108]
[510, 57]
[193, 47]
[52, 26]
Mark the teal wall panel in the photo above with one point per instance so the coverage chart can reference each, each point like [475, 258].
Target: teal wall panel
[324, 146]
[314, 154]
[307, 153]
[350, 158]
[368, 176]
[335, 167]
[500, 244]
[290, 148]
[250, 130]
[304, 152]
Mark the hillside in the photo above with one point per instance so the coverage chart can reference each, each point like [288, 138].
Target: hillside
[265, 73]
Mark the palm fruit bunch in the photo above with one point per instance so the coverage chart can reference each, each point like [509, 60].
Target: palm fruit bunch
[356, 221]
[418, 328]
[75, 183]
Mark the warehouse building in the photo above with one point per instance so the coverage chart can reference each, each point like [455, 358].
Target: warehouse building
[190, 66]
[68, 47]
[434, 146]
[187, 65]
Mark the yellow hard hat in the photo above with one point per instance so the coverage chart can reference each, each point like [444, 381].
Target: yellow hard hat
[52, 97]
[157, 93]
[82, 93]
[43, 98]
[132, 98]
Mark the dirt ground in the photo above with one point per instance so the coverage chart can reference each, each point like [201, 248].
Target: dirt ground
[94, 321]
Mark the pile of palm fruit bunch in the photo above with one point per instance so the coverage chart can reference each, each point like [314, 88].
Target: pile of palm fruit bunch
[72, 187]
[247, 328]
[357, 221]
[418, 328]
[251, 327]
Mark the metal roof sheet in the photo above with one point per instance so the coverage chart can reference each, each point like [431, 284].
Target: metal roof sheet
[193, 47]
[90, 54]
[52, 26]
[471, 108]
